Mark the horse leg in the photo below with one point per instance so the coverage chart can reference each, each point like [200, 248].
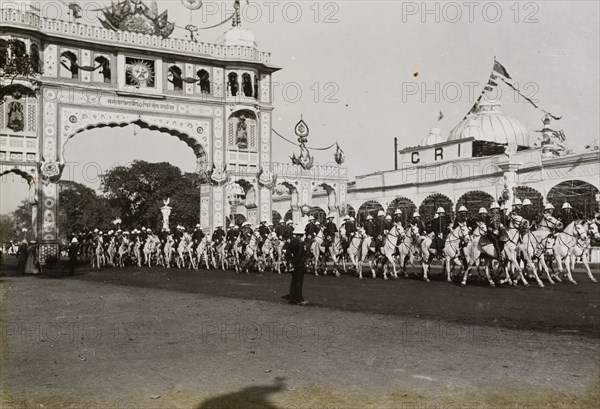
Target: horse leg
[373, 266]
[584, 259]
[530, 263]
[568, 267]
[520, 276]
[466, 274]
[426, 265]
[390, 258]
[447, 268]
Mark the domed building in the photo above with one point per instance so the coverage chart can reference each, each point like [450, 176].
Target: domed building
[238, 36]
[491, 130]
[488, 156]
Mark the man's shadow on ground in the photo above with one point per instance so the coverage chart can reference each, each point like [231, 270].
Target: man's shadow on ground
[251, 397]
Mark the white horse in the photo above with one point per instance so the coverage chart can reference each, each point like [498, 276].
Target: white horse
[202, 253]
[406, 247]
[184, 251]
[475, 251]
[316, 248]
[99, 259]
[358, 250]
[452, 248]
[512, 248]
[574, 242]
[537, 244]
[150, 246]
[123, 250]
[387, 250]
[269, 251]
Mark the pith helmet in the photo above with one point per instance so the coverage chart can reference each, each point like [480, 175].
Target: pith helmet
[482, 211]
[526, 202]
[463, 209]
[517, 202]
[380, 213]
[548, 206]
[566, 205]
[494, 205]
[440, 210]
[398, 211]
[416, 214]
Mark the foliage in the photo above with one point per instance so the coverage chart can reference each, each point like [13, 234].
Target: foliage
[7, 232]
[22, 216]
[138, 192]
[81, 209]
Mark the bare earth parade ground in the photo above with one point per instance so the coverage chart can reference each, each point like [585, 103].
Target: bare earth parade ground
[115, 338]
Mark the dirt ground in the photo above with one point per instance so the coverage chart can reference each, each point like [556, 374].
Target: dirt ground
[156, 338]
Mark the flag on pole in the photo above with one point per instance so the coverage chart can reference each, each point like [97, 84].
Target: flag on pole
[499, 68]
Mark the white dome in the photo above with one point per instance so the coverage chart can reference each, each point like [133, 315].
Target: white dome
[434, 137]
[238, 36]
[491, 125]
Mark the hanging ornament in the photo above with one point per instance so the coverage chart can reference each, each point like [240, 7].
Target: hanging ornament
[339, 155]
[192, 4]
[302, 131]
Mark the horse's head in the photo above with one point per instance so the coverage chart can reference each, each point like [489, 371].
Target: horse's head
[480, 229]
[593, 229]
[550, 221]
[580, 230]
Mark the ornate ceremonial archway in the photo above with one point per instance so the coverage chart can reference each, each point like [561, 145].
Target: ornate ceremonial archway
[94, 75]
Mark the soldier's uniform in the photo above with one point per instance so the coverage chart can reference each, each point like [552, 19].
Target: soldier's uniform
[232, 235]
[280, 230]
[198, 235]
[416, 221]
[370, 227]
[496, 230]
[439, 226]
[263, 232]
[288, 233]
[311, 230]
[566, 215]
[350, 227]
[218, 236]
[330, 231]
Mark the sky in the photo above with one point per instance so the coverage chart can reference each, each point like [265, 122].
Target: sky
[363, 72]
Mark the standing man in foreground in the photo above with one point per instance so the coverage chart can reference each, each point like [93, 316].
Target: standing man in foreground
[73, 251]
[297, 256]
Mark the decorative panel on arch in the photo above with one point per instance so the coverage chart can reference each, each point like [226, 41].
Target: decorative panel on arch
[241, 131]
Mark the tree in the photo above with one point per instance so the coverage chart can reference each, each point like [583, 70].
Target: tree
[81, 209]
[22, 217]
[138, 192]
[7, 230]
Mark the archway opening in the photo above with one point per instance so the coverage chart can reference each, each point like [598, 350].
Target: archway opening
[370, 207]
[406, 206]
[428, 208]
[535, 197]
[474, 201]
[15, 205]
[579, 194]
[90, 156]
